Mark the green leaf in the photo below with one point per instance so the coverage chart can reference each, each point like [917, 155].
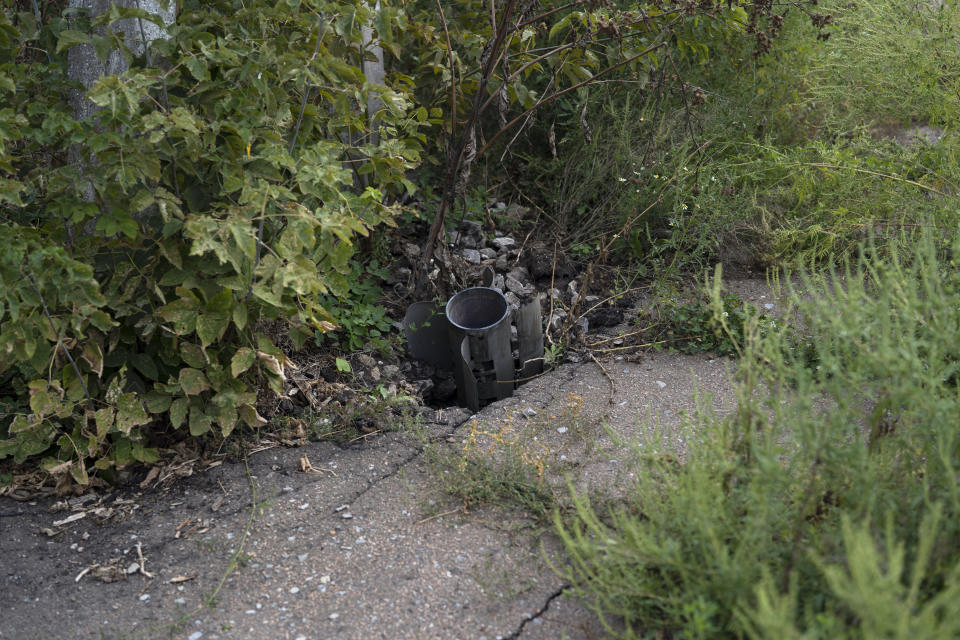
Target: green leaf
[145, 365]
[198, 68]
[43, 403]
[192, 354]
[343, 365]
[240, 315]
[193, 382]
[144, 454]
[250, 416]
[242, 360]
[178, 412]
[79, 472]
[199, 422]
[130, 412]
[157, 401]
[211, 327]
[104, 420]
[71, 38]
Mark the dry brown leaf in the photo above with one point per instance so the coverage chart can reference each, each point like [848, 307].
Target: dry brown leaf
[179, 579]
[71, 518]
[151, 476]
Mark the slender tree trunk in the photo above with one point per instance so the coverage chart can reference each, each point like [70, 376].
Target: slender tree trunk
[375, 73]
[84, 66]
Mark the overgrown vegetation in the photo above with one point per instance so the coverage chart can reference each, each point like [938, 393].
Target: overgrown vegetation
[827, 504]
[226, 172]
[790, 157]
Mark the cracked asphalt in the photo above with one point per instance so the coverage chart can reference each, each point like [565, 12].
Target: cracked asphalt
[365, 546]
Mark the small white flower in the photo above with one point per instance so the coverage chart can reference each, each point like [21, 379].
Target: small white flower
[655, 176]
[621, 179]
[713, 179]
[683, 206]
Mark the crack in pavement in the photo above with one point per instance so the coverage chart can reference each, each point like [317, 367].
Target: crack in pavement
[546, 605]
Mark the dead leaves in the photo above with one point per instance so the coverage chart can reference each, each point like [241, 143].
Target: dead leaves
[99, 507]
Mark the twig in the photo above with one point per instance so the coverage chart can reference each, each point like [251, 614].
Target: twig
[453, 74]
[145, 588]
[85, 572]
[553, 275]
[143, 564]
[306, 96]
[649, 344]
[824, 165]
[438, 515]
[622, 336]
[553, 97]
[613, 387]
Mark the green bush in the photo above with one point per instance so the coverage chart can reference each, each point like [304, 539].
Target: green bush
[827, 504]
[223, 190]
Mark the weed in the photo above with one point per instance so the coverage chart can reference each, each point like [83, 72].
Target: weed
[698, 326]
[827, 504]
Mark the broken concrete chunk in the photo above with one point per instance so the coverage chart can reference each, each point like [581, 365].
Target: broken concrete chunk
[516, 286]
[472, 256]
[504, 243]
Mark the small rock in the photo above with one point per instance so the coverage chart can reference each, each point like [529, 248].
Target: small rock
[488, 253]
[196, 635]
[519, 273]
[661, 384]
[472, 256]
[132, 568]
[504, 243]
[295, 590]
[768, 306]
[502, 263]
[375, 374]
[366, 360]
[144, 597]
[556, 319]
[391, 371]
[515, 286]
[334, 616]
[561, 429]
[346, 515]
[471, 228]
[529, 412]
[512, 299]
[423, 387]
[583, 324]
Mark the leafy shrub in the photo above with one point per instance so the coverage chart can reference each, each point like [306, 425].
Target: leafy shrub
[222, 191]
[695, 327]
[827, 504]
